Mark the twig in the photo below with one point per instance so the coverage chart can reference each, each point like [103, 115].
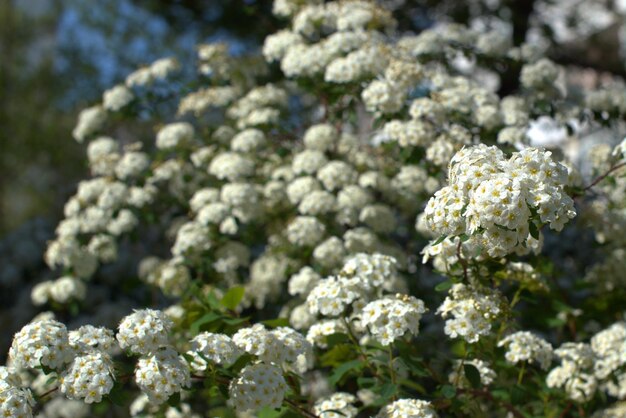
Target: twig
[603, 176]
[462, 260]
[49, 392]
[299, 409]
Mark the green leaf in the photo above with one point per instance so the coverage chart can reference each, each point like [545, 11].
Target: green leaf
[174, 400]
[340, 371]
[232, 298]
[473, 375]
[517, 395]
[337, 355]
[439, 240]
[236, 321]
[534, 232]
[267, 412]
[275, 323]
[337, 338]
[443, 286]
[387, 391]
[118, 396]
[207, 318]
[448, 391]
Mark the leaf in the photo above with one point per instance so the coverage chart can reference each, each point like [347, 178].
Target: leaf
[340, 371]
[275, 323]
[118, 396]
[337, 338]
[267, 412]
[534, 232]
[236, 321]
[174, 400]
[443, 286]
[448, 391]
[203, 320]
[473, 375]
[337, 355]
[439, 240]
[232, 298]
[517, 395]
[387, 391]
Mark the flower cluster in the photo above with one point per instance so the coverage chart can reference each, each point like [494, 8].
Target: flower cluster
[409, 408]
[526, 346]
[473, 311]
[337, 405]
[258, 385]
[217, 348]
[390, 318]
[500, 202]
[15, 401]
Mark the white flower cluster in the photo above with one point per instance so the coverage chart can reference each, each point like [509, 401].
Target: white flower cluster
[493, 199]
[526, 346]
[362, 278]
[61, 290]
[15, 401]
[161, 371]
[161, 374]
[337, 405]
[458, 378]
[218, 348]
[88, 378]
[408, 408]
[258, 385]
[392, 317]
[41, 343]
[281, 346]
[473, 311]
[145, 331]
[575, 374]
[609, 347]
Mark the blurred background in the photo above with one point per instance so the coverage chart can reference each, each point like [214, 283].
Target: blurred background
[58, 56]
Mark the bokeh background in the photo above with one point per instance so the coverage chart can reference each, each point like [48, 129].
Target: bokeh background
[57, 56]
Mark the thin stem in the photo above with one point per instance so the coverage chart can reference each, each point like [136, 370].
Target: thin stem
[299, 409]
[603, 176]
[362, 354]
[462, 260]
[458, 370]
[520, 375]
[49, 392]
[392, 371]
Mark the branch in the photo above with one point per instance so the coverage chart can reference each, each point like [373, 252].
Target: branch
[603, 176]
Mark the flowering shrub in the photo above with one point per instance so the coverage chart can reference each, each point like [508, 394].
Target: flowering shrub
[280, 205]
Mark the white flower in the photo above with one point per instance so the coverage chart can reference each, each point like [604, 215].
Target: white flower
[175, 135]
[457, 375]
[337, 405]
[144, 331]
[408, 408]
[305, 231]
[258, 385]
[390, 318]
[41, 343]
[90, 121]
[89, 377]
[117, 98]
[161, 375]
[217, 348]
[473, 310]
[15, 401]
[526, 346]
